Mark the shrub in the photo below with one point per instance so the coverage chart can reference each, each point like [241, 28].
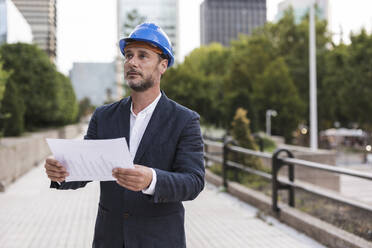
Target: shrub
[35, 77]
[13, 110]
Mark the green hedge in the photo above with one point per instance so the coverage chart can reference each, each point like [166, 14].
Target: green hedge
[34, 82]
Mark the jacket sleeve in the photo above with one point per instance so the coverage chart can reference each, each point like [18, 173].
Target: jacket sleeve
[186, 180]
[91, 134]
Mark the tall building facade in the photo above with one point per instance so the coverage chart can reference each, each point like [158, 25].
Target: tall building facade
[132, 12]
[42, 16]
[223, 20]
[13, 26]
[301, 8]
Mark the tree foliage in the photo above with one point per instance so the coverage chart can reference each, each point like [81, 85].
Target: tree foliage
[202, 73]
[85, 107]
[275, 90]
[358, 89]
[66, 105]
[270, 70]
[12, 111]
[132, 19]
[241, 132]
[4, 75]
[36, 93]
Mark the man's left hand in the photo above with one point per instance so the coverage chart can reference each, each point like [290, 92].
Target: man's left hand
[135, 179]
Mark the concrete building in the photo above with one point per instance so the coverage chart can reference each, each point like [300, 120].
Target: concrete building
[223, 20]
[96, 81]
[13, 26]
[42, 16]
[301, 8]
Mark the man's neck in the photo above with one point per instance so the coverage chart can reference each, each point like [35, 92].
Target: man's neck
[141, 100]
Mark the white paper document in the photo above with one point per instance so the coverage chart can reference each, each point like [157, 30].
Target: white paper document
[91, 160]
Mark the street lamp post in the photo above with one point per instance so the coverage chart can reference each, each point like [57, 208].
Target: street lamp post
[269, 113]
[313, 90]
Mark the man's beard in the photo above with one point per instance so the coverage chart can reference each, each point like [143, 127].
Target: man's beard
[142, 85]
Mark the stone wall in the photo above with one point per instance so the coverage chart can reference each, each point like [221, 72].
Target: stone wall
[19, 154]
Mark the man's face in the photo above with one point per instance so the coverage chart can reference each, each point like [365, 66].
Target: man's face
[142, 68]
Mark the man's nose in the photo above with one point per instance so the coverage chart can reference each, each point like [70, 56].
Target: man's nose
[133, 61]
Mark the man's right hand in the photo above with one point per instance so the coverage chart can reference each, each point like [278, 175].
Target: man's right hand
[55, 171]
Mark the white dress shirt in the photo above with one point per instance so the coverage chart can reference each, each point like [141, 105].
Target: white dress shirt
[138, 125]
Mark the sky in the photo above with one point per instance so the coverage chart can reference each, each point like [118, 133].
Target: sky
[86, 30]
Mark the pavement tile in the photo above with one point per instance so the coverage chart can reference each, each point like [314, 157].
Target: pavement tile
[34, 216]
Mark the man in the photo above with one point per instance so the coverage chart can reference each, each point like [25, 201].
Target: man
[142, 208]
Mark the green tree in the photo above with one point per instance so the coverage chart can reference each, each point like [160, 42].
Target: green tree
[132, 19]
[66, 105]
[357, 92]
[241, 132]
[35, 78]
[85, 107]
[4, 75]
[292, 40]
[331, 98]
[14, 110]
[249, 57]
[274, 89]
[198, 83]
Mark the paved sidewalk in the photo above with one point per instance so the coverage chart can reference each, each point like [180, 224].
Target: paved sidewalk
[32, 215]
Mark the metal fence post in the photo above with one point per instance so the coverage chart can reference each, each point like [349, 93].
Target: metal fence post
[224, 164]
[277, 163]
[291, 190]
[236, 171]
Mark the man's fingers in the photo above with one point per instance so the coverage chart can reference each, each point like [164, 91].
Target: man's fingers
[126, 171]
[57, 179]
[127, 177]
[130, 186]
[52, 161]
[54, 167]
[57, 174]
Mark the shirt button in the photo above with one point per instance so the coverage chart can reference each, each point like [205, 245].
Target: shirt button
[126, 215]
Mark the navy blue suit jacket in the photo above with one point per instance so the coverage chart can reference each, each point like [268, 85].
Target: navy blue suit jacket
[172, 145]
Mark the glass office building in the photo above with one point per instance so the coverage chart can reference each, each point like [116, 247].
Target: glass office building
[223, 20]
[301, 8]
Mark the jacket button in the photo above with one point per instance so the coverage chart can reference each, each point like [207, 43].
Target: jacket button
[126, 215]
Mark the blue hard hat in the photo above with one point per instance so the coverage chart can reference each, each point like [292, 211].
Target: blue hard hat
[150, 32]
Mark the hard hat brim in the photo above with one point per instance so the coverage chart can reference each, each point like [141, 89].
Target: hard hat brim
[125, 41]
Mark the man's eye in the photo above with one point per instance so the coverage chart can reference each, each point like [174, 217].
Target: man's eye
[142, 56]
[128, 56]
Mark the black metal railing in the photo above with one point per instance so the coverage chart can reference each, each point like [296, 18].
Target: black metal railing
[280, 158]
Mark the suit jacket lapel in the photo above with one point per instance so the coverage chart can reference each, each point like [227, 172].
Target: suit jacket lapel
[156, 122]
[124, 118]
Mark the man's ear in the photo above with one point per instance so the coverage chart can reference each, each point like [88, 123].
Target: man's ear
[163, 66]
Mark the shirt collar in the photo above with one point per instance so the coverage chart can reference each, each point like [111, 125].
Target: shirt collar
[149, 109]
